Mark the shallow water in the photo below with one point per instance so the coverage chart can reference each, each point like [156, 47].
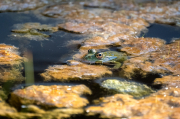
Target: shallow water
[54, 51]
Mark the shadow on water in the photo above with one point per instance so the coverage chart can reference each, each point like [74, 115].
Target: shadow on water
[54, 50]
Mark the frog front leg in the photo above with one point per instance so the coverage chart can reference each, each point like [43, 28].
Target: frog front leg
[117, 65]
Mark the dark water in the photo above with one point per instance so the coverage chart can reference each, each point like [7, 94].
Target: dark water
[54, 50]
[163, 31]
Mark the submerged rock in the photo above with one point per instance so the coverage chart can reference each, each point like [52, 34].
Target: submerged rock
[75, 71]
[125, 87]
[32, 31]
[50, 96]
[10, 64]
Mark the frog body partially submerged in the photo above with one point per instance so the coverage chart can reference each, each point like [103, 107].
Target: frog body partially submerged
[107, 58]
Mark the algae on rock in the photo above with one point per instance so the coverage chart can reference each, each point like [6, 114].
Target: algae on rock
[125, 87]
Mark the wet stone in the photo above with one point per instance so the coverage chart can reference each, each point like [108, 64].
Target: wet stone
[52, 114]
[6, 110]
[162, 12]
[122, 105]
[21, 5]
[50, 96]
[10, 63]
[100, 3]
[164, 60]
[168, 81]
[139, 46]
[125, 87]
[32, 31]
[83, 16]
[35, 112]
[60, 10]
[74, 71]
[99, 28]
[98, 42]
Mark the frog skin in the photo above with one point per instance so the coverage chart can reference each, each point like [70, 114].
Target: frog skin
[107, 58]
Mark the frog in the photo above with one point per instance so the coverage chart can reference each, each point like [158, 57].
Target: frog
[106, 58]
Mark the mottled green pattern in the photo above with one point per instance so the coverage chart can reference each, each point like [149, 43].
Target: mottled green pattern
[109, 57]
[124, 87]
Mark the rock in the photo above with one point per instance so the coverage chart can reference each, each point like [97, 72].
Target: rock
[139, 46]
[121, 105]
[60, 10]
[75, 71]
[125, 87]
[10, 64]
[50, 96]
[100, 3]
[21, 5]
[168, 81]
[6, 110]
[162, 59]
[99, 28]
[32, 31]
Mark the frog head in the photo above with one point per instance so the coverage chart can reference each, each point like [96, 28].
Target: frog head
[93, 56]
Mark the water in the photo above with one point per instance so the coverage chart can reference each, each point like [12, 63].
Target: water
[163, 31]
[54, 50]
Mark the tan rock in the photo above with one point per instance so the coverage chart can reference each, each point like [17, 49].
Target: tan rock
[60, 10]
[160, 58]
[50, 96]
[139, 46]
[168, 80]
[10, 63]
[74, 71]
[18, 5]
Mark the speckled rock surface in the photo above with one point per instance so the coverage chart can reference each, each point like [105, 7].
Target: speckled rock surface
[10, 63]
[168, 81]
[164, 60]
[125, 87]
[121, 105]
[51, 96]
[21, 5]
[75, 71]
[60, 10]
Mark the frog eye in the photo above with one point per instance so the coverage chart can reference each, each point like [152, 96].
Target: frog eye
[91, 51]
[99, 55]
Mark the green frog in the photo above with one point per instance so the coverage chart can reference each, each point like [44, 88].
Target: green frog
[107, 58]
